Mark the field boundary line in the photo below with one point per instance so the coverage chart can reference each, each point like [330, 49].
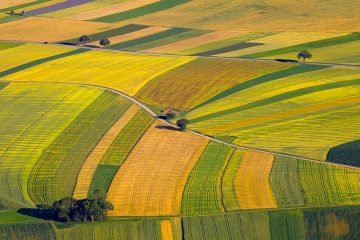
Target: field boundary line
[188, 130]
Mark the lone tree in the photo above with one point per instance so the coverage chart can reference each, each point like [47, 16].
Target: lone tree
[85, 210]
[181, 123]
[304, 55]
[104, 42]
[84, 39]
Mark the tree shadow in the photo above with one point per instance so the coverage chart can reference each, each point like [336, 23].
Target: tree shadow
[167, 127]
[41, 212]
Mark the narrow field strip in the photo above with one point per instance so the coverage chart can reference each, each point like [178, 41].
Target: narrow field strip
[166, 230]
[27, 5]
[152, 179]
[48, 29]
[55, 173]
[280, 97]
[309, 45]
[40, 61]
[112, 9]
[204, 79]
[202, 193]
[231, 48]
[285, 72]
[191, 42]
[115, 32]
[137, 34]
[7, 45]
[56, 7]
[252, 183]
[89, 167]
[141, 11]
[118, 150]
[132, 44]
[7, 5]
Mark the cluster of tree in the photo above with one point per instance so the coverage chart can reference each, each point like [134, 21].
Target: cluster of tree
[182, 124]
[85, 210]
[85, 39]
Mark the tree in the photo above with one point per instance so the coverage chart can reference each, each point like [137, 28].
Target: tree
[181, 123]
[84, 39]
[104, 42]
[304, 55]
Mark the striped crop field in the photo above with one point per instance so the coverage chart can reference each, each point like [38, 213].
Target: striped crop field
[305, 103]
[124, 72]
[202, 192]
[201, 79]
[145, 185]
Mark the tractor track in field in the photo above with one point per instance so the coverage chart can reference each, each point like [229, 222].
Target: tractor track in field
[152, 113]
[195, 56]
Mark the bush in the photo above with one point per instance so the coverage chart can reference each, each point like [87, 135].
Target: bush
[182, 123]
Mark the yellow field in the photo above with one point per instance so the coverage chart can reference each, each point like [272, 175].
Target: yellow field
[40, 29]
[166, 230]
[114, 8]
[122, 71]
[89, 167]
[151, 180]
[13, 57]
[252, 184]
[280, 40]
[193, 42]
[134, 35]
[271, 15]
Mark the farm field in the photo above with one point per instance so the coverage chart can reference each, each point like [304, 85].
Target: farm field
[195, 120]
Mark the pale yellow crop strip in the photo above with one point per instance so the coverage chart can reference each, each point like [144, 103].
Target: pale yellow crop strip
[115, 8]
[89, 167]
[6, 4]
[151, 180]
[252, 184]
[166, 230]
[133, 35]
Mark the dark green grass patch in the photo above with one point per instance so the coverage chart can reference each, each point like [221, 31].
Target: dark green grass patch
[347, 153]
[170, 39]
[262, 79]
[131, 44]
[6, 45]
[307, 46]
[55, 173]
[28, 231]
[286, 224]
[141, 11]
[110, 33]
[279, 98]
[40, 61]
[12, 216]
[285, 183]
[102, 178]
[231, 48]
[202, 193]
[333, 223]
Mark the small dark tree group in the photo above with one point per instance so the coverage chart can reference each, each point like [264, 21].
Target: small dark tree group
[104, 42]
[304, 55]
[84, 39]
[85, 210]
[182, 123]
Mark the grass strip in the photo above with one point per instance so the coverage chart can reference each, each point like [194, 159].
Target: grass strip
[150, 38]
[3, 85]
[102, 178]
[279, 98]
[141, 11]
[7, 45]
[111, 33]
[262, 79]
[40, 61]
[307, 46]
